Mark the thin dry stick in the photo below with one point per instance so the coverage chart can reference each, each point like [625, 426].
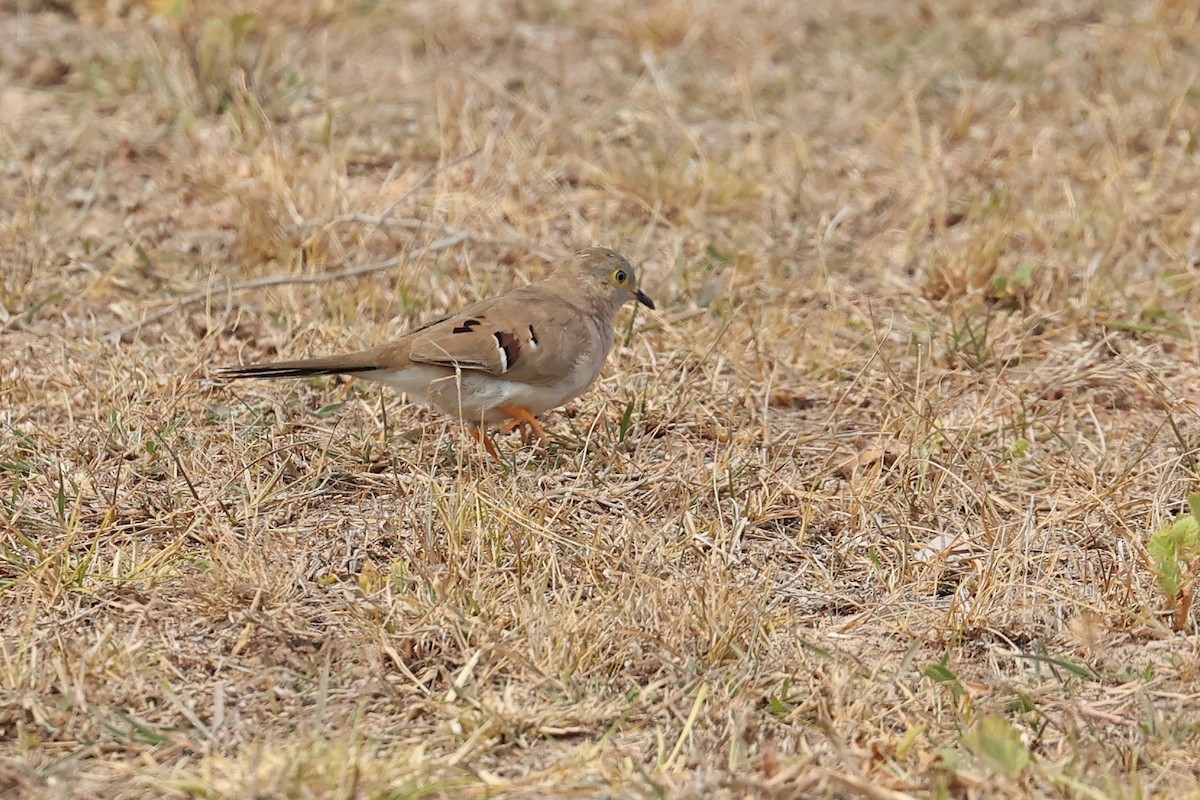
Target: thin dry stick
[282, 280]
[292, 280]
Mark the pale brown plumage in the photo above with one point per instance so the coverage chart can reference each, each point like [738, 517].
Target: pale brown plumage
[501, 360]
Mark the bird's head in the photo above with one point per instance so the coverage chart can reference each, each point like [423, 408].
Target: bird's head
[607, 274]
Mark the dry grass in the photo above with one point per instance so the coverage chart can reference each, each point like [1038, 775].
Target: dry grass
[923, 379]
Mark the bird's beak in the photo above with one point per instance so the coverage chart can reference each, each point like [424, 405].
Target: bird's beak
[644, 299]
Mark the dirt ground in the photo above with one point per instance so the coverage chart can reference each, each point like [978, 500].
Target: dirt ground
[861, 510]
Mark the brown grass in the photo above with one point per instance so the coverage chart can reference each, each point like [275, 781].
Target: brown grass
[922, 381]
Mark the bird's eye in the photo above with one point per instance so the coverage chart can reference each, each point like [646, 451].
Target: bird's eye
[619, 277]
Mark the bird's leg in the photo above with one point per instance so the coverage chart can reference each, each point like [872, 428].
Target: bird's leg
[480, 436]
[514, 424]
[521, 418]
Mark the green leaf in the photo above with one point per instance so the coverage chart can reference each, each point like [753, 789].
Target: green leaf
[718, 255]
[626, 422]
[940, 673]
[60, 498]
[176, 9]
[148, 734]
[332, 408]
[1023, 276]
[995, 741]
[947, 760]
[1025, 703]
[1154, 314]
[876, 561]
[1062, 663]
[1174, 543]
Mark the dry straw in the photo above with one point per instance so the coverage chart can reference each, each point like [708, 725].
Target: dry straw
[864, 511]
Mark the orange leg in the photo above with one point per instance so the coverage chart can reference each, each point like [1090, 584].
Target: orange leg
[486, 441]
[520, 418]
[350, 381]
[512, 425]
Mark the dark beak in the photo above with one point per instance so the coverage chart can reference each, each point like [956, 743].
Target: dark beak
[644, 299]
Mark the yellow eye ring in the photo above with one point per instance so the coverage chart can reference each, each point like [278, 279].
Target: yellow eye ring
[619, 277]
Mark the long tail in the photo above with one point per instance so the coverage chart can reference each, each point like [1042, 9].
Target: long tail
[331, 365]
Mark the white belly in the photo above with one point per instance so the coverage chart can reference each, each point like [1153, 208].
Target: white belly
[476, 397]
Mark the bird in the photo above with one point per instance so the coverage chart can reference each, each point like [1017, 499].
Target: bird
[501, 361]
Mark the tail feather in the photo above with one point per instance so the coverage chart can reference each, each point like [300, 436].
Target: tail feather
[335, 365]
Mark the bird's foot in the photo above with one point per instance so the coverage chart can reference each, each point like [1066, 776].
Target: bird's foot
[523, 419]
